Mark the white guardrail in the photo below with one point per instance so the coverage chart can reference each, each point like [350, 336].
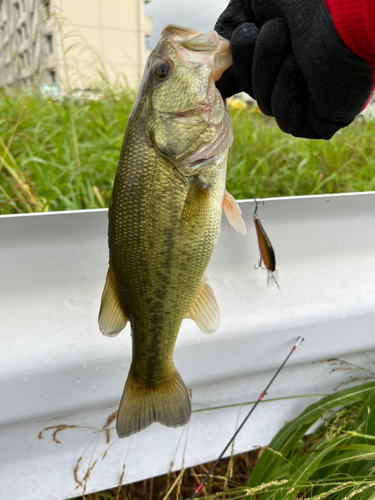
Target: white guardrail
[57, 369]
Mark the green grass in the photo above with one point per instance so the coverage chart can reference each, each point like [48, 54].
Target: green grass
[337, 461]
[265, 162]
[59, 156]
[62, 156]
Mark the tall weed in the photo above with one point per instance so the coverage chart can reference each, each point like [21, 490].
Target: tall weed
[65, 155]
[265, 162]
[337, 461]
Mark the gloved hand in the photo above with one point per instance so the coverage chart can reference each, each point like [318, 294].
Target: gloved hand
[288, 56]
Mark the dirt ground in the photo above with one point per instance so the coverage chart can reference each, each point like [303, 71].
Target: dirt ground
[229, 474]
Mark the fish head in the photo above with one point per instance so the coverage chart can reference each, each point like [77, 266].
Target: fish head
[188, 121]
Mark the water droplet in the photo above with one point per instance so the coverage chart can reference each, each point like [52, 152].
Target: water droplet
[98, 356]
[30, 368]
[84, 366]
[46, 396]
[26, 380]
[93, 388]
[78, 382]
[96, 369]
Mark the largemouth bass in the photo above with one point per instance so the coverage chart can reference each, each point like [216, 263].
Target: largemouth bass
[164, 220]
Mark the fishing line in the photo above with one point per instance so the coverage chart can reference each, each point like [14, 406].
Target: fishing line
[204, 480]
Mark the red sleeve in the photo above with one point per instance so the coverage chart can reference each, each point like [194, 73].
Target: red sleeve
[354, 21]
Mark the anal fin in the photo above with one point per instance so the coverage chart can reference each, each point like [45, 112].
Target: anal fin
[204, 310]
[233, 213]
[111, 316]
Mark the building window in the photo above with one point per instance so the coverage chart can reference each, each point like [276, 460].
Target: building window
[49, 44]
[27, 58]
[24, 31]
[17, 10]
[52, 76]
[47, 7]
[19, 36]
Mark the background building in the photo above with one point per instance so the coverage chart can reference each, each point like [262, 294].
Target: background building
[74, 43]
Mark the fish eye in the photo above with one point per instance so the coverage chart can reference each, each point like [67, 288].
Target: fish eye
[162, 70]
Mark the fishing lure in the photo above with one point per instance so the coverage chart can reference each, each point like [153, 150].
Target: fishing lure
[267, 254]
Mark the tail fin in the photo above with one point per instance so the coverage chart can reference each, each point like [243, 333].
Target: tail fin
[140, 406]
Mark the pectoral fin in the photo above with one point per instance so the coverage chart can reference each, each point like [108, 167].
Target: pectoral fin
[204, 310]
[233, 213]
[195, 208]
[111, 316]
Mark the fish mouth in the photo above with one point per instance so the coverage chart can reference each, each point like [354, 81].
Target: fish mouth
[193, 45]
[219, 46]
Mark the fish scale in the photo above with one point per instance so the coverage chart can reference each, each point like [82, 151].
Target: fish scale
[169, 273]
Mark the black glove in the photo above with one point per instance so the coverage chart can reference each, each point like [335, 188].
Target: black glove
[288, 56]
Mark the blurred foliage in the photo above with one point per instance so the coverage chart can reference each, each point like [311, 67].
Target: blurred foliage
[265, 162]
[59, 155]
[63, 155]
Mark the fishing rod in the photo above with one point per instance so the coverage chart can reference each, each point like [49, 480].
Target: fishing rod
[204, 480]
